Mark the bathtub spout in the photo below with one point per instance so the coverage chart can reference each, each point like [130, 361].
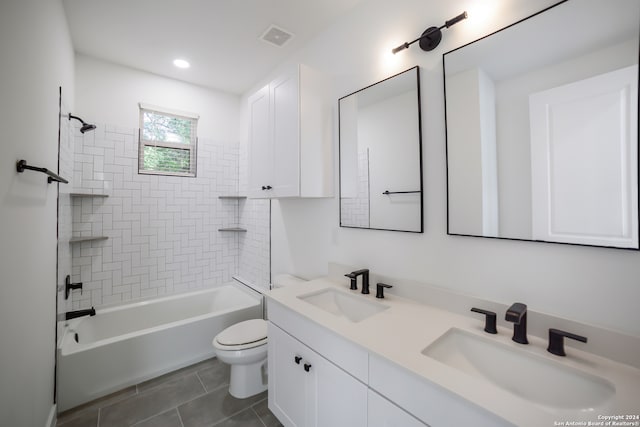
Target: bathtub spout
[79, 313]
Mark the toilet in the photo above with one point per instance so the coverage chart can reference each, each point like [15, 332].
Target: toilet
[243, 346]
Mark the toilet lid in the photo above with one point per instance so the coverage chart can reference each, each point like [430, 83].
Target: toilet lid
[246, 332]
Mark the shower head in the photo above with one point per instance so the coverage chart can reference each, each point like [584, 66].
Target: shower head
[86, 127]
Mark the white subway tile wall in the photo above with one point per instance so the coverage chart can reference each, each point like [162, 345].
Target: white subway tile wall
[162, 231]
[354, 212]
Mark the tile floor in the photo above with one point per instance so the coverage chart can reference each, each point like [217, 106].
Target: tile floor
[195, 396]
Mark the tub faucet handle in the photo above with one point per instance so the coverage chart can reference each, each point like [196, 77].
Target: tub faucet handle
[68, 286]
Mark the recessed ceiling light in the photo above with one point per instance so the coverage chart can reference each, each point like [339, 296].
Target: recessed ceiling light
[181, 63]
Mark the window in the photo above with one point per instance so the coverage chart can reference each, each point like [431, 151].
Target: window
[168, 142]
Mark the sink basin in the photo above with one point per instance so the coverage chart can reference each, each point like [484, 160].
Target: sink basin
[353, 307]
[529, 376]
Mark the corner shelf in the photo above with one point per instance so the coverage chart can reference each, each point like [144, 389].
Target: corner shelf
[233, 229]
[87, 239]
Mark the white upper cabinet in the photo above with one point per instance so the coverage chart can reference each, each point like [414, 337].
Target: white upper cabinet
[290, 147]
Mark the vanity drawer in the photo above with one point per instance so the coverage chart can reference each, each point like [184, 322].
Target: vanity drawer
[425, 400]
[344, 353]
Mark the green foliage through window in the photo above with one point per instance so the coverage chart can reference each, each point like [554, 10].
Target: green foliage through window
[160, 127]
[164, 159]
[167, 143]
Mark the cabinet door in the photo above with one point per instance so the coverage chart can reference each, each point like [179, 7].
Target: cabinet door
[313, 392]
[260, 150]
[339, 399]
[383, 413]
[285, 121]
[287, 379]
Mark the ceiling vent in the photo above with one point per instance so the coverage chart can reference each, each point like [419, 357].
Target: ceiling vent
[276, 36]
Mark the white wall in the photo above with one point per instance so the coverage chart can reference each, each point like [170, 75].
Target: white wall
[37, 58]
[593, 285]
[109, 93]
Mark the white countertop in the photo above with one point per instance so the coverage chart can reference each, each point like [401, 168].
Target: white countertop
[400, 333]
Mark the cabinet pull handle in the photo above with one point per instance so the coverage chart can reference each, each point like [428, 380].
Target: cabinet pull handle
[266, 187]
[307, 367]
[297, 359]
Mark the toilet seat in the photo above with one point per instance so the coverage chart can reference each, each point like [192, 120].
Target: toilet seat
[248, 334]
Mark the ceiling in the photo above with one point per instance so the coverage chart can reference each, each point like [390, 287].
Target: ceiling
[220, 38]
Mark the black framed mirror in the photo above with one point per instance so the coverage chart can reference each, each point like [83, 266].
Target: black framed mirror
[542, 128]
[380, 142]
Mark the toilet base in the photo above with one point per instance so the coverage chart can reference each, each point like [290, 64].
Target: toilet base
[248, 380]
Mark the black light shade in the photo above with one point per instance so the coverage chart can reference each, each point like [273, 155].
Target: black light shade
[431, 37]
[455, 20]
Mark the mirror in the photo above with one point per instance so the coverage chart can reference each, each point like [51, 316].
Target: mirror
[542, 128]
[381, 155]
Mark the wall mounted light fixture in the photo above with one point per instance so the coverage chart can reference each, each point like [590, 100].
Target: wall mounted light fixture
[431, 37]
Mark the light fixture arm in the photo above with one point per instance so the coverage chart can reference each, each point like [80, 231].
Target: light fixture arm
[431, 37]
[426, 33]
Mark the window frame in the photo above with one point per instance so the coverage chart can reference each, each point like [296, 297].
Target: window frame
[192, 147]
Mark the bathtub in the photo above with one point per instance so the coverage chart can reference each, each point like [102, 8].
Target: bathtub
[128, 344]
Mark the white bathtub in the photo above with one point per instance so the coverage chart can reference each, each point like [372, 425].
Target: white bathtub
[125, 345]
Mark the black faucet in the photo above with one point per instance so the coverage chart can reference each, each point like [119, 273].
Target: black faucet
[517, 314]
[354, 278]
[79, 313]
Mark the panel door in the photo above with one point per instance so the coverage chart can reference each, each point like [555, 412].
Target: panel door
[584, 166]
[288, 389]
[306, 390]
[285, 119]
[339, 399]
[260, 150]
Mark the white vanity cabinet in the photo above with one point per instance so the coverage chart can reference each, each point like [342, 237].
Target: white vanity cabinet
[290, 145]
[305, 389]
[426, 401]
[382, 413]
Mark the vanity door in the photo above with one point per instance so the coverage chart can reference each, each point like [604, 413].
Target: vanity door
[306, 390]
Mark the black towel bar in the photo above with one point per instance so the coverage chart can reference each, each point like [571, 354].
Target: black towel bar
[22, 165]
[400, 192]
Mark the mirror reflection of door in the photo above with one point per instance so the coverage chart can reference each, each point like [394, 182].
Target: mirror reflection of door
[574, 127]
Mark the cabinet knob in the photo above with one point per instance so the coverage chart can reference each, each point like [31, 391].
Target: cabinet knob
[297, 359]
[307, 367]
[266, 187]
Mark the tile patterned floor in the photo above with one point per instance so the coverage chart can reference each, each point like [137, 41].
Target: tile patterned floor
[195, 396]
